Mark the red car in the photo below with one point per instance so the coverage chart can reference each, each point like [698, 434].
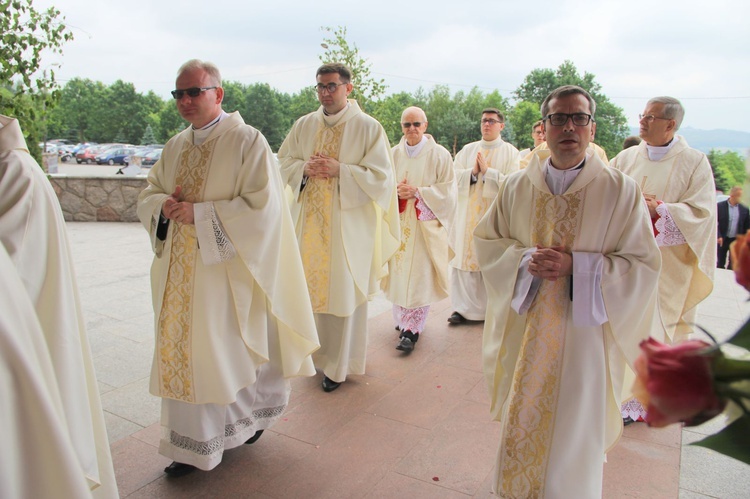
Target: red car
[87, 155]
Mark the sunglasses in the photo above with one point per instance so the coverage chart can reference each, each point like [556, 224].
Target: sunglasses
[416, 124]
[192, 92]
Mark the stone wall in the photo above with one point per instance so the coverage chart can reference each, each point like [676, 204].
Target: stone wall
[98, 199]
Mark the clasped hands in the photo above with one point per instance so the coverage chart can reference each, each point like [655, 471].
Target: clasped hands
[480, 166]
[551, 263]
[406, 191]
[321, 166]
[179, 211]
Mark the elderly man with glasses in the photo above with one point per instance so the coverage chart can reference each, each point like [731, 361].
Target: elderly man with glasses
[571, 270]
[679, 191]
[233, 320]
[337, 163]
[480, 167]
[418, 272]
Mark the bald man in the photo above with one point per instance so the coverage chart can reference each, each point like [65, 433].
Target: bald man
[418, 272]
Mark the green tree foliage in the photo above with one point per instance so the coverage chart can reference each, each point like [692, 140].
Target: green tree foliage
[367, 89]
[520, 119]
[25, 35]
[266, 110]
[611, 125]
[728, 168]
[388, 113]
[148, 136]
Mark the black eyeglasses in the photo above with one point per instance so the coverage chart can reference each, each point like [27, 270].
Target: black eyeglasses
[331, 87]
[490, 121]
[192, 92]
[559, 119]
[415, 124]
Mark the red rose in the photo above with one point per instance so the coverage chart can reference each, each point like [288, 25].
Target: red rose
[740, 254]
[675, 383]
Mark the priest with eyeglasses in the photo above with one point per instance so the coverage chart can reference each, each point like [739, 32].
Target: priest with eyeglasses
[571, 270]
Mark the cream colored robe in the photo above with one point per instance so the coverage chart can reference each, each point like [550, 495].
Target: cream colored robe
[38, 458]
[557, 386]
[32, 229]
[216, 283]
[418, 272]
[347, 227]
[475, 199]
[683, 180]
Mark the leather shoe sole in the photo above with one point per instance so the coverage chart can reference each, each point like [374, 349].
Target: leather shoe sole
[456, 318]
[179, 469]
[254, 438]
[405, 345]
[329, 385]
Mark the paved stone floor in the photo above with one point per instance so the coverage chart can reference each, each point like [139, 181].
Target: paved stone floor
[414, 426]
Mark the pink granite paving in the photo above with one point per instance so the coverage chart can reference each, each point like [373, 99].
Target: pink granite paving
[414, 426]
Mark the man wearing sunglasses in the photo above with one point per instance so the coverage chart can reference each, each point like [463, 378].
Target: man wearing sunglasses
[480, 167]
[678, 188]
[337, 163]
[571, 270]
[418, 272]
[233, 320]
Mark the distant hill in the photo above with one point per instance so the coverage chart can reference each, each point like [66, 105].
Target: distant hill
[705, 140]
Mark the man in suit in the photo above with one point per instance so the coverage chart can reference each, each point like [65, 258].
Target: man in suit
[733, 219]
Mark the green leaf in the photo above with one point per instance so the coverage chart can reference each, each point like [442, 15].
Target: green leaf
[732, 441]
[742, 337]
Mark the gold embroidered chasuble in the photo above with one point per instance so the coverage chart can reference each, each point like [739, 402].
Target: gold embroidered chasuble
[347, 227]
[474, 199]
[418, 272]
[544, 370]
[683, 180]
[218, 283]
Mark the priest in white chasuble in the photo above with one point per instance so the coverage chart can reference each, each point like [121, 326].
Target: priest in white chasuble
[338, 165]
[418, 272]
[480, 167]
[32, 230]
[233, 321]
[571, 271]
[679, 190]
[38, 458]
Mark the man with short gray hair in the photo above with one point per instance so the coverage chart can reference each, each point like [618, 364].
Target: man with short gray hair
[678, 189]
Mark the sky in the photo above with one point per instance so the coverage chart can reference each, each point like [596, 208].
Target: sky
[696, 51]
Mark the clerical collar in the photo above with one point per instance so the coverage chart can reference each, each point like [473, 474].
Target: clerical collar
[656, 153]
[332, 119]
[201, 134]
[412, 151]
[559, 181]
[492, 143]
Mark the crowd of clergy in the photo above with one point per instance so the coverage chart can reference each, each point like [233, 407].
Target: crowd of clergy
[263, 269]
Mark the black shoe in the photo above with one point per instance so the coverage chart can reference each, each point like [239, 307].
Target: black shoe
[627, 421]
[254, 438]
[329, 385]
[407, 342]
[179, 469]
[398, 328]
[456, 318]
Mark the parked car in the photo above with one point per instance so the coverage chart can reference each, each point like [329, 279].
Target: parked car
[151, 158]
[86, 155]
[114, 156]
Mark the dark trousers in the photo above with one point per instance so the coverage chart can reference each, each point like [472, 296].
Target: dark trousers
[722, 254]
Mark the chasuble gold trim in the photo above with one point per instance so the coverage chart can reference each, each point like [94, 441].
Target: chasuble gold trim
[315, 242]
[174, 342]
[478, 206]
[529, 424]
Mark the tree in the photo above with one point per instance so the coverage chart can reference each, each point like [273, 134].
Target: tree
[265, 109]
[148, 136]
[337, 49]
[611, 125]
[521, 118]
[25, 33]
[728, 168]
[388, 112]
